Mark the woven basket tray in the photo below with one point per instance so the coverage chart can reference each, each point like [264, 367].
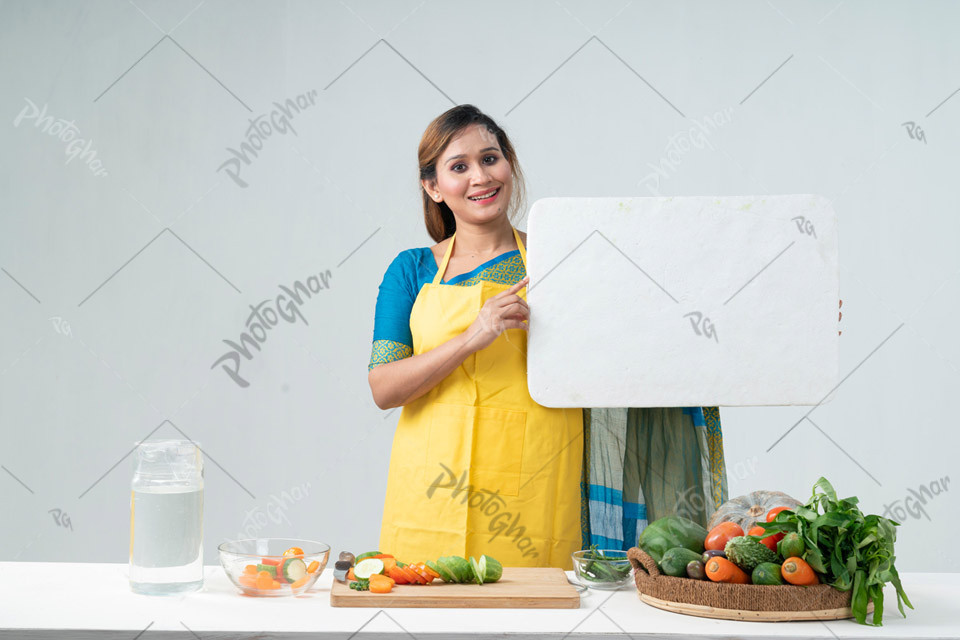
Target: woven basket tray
[767, 603]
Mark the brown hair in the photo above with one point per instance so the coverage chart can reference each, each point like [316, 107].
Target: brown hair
[437, 215]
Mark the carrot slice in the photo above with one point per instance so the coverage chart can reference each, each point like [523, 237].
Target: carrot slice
[399, 575]
[247, 580]
[412, 576]
[313, 566]
[299, 583]
[250, 569]
[380, 583]
[264, 580]
[273, 561]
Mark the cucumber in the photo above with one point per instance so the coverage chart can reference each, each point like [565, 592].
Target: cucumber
[367, 567]
[766, 573]
[446, 577]
[476, 573]
[293, 569]
[674, 561]
[269, 568]
[362, 556]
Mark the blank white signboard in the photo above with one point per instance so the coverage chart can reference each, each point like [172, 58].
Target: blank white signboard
[683, 301]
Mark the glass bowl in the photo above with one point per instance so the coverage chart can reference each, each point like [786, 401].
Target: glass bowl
[243, 560]
[602, 568]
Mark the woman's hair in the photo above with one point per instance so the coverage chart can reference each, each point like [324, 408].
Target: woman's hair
[437, 215]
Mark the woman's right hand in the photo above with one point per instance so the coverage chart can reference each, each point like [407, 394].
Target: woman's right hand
[506, 310]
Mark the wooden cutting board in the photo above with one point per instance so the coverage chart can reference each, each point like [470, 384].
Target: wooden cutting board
[518, 588]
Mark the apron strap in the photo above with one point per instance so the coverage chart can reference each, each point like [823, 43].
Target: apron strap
[523, 250]
[446, 256]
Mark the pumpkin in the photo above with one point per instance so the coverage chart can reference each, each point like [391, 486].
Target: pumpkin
[752, 508]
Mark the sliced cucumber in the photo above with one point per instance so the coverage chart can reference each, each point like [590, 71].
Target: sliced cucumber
[364, 556]
[447, 570]
[476, 571]
[293, 569]
[367, 567]
[269, 568]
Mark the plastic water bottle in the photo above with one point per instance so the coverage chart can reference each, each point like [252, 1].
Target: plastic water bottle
[166, 518]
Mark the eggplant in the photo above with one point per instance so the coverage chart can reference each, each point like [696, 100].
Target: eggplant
[712, 553]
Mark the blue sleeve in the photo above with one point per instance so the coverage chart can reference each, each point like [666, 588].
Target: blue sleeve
[395, 301]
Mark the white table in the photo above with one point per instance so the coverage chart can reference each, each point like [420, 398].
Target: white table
[47, 599]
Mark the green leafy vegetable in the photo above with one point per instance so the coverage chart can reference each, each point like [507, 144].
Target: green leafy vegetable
[851, 550]
[604, 568]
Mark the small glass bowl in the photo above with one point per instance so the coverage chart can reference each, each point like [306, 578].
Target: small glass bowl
[237, 555]
[611, 573]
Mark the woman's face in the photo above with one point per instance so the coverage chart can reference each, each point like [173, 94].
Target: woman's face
[472, 164]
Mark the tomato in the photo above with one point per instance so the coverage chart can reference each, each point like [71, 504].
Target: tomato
[769, 542]
[720, 534]
[773, 512]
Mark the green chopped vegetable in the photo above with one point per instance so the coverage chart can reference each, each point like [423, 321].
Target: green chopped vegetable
[611, 569]
[361, 584]
[849, 549]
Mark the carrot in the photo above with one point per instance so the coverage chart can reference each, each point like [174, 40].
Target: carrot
[381, 556]
[275, 585]
[722, 570]
[796, 571]
[299, 583]
[247, 580]
[389, 562]
[264, 580]
[250, 569]
[399, 575]
[350, 575]
[273, 561]
[413, 576]
[430, 572]
[313, 566]
[380, 583]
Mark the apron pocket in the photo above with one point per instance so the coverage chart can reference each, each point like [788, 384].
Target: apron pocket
[475, 449]
[498, 436]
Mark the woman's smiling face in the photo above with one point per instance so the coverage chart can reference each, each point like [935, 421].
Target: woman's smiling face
[473, 165]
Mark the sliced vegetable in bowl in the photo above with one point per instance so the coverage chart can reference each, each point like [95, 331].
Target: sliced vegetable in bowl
[273, 566]
[602, 568]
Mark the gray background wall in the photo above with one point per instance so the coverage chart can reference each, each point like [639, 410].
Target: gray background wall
[122, 277]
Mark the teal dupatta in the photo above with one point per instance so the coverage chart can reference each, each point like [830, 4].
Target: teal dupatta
[643, 463]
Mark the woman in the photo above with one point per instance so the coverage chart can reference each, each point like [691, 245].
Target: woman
[477, 467]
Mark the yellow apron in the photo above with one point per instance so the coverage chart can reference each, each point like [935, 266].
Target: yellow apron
[477, 467]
